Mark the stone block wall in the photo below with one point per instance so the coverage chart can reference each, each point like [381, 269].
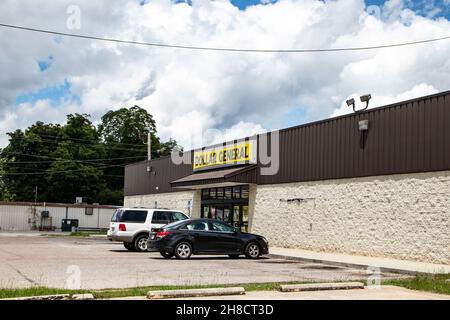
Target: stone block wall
[398, 216]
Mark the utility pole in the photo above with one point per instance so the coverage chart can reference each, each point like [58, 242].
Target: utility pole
[149, 145]
[35, 195]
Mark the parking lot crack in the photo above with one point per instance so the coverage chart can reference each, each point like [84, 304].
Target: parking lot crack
[24, 276]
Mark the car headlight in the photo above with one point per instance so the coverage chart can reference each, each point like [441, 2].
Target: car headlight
[265, 240]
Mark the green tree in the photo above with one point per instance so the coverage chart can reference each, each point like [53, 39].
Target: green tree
[5, 195]
[75, 174]
[77, 159]
[25, 157]
[124, 132]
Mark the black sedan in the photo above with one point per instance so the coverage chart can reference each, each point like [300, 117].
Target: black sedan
[205, 236]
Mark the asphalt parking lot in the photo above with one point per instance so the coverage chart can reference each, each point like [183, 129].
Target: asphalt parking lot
[30, 259]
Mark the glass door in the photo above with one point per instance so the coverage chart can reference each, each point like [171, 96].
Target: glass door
[244, 223]
[236, 222]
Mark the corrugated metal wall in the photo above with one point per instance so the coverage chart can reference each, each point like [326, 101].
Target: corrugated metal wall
[139, 181]
[19, 217]
[413, 136]
[406, 137]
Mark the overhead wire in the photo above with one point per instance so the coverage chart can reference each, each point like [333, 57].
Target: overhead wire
[225, 49]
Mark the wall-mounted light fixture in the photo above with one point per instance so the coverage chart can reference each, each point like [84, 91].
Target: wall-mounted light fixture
[351, 102]
[364, 98]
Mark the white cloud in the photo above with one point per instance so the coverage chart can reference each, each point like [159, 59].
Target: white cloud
[197, 90]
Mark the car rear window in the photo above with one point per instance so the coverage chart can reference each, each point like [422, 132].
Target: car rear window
[116, 215]
[174, 225]
[135, 216]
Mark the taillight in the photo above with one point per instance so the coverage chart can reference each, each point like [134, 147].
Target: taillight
[122, 227]
[162, 234]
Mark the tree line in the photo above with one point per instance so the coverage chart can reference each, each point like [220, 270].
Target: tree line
[77, 159]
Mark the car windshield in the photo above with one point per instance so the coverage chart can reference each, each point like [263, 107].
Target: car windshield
[174, 225]
[116, 216]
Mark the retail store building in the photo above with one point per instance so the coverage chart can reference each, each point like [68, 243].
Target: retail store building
[373, 183]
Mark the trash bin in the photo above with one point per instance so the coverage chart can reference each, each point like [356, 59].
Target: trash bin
[69, 225]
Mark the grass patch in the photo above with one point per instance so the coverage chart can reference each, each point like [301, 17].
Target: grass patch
[83, 234]
[142, 291]
[131, 292]
[436, 283]
[87, 233]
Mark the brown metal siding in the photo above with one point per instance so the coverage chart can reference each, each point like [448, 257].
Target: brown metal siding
[412, 136]
[139, 181]
[407, 137]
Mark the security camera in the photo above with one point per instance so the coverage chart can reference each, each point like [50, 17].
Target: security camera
[366, 98]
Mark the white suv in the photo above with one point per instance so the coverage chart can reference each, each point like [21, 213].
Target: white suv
[132, 226]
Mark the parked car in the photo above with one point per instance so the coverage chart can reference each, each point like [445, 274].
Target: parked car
[132, 226]
[205, 236]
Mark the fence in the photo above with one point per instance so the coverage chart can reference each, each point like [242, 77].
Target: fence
[25, 216]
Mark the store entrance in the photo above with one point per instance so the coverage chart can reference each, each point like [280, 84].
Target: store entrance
[229, 204]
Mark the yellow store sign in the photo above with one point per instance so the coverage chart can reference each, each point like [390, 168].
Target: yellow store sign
[225, 155]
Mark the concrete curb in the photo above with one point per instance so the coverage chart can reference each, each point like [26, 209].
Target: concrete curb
[85, 296]
[49, 297]
[351, 265]
[321, 286]
[166, 294]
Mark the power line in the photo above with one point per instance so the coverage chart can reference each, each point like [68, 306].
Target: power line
[56, 161]
[173, 46]
[78, 139]
[92, 167]
[58, 172]
[69, 160]
[38, 139]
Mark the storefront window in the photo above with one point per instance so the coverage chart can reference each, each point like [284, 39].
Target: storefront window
[236, 192]
[244, 192]
[213, 193]
[219, 213]
[228, 192]
[205, 194]
[220, 193]
[226, 214]
[206, 212]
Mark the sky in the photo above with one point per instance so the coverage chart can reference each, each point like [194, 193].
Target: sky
[203, 97]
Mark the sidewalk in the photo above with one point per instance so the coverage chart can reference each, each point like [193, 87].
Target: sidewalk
[361, 262]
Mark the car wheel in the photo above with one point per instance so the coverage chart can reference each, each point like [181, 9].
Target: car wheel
[183, 250]
[252, 251]
[166, 255]
[140, 243]
[233, 256]
[128, 246]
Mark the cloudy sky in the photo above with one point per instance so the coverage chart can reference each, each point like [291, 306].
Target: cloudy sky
[44, 77]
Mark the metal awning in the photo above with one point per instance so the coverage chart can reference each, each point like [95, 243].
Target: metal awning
[228, 176]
